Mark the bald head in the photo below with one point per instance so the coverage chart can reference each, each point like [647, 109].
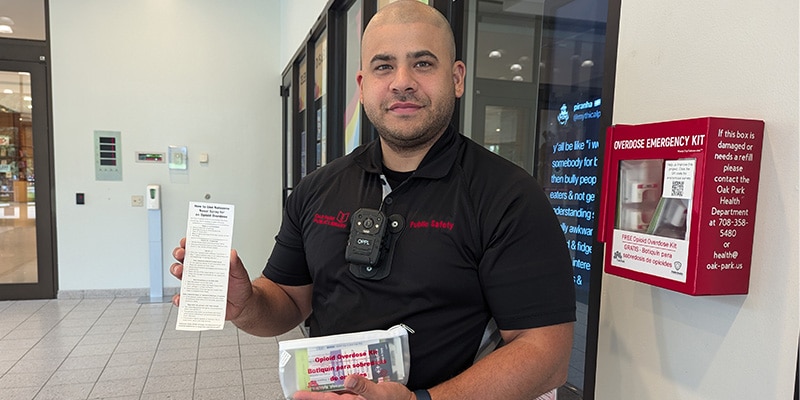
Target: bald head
[412, 11]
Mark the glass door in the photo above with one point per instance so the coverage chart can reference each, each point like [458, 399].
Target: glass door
[352, 116]
[536, 97]
[17, 202]
[27, 268]
[302, 122]
[321, 99]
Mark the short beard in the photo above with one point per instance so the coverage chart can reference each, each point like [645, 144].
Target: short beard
[421, 139]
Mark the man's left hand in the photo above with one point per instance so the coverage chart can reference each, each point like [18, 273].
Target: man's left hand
[360, 388]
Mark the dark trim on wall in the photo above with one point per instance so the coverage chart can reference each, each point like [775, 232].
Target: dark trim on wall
[797, 376]
[454, 12]
[368, 132]
[34, 56]
[596, 278]
[337, 43]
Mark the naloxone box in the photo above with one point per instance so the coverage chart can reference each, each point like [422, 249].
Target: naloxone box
[321, 363]
[678, 203]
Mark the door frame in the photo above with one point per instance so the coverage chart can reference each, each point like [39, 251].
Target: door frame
[33, 57]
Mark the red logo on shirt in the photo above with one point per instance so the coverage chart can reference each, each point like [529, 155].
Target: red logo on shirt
[432, 224]
[339, 221]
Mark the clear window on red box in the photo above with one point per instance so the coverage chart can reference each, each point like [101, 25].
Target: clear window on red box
[655, 196]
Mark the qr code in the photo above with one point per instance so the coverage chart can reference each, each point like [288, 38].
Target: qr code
[677, 188]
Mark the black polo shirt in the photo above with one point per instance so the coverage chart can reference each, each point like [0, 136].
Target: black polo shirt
[480, 240]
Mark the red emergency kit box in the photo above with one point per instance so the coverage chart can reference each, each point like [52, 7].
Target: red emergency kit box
[678, 203]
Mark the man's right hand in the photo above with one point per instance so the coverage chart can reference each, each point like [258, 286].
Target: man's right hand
[240, 288]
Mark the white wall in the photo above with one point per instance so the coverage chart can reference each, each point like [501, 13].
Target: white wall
[297, 19]
[688, 58]
[199, 73]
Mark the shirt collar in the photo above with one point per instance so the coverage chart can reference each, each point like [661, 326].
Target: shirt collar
[436, 163]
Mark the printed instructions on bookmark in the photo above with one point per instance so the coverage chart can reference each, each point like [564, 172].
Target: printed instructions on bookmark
[204, 287]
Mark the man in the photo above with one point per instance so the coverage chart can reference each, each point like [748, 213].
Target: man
[475, 239]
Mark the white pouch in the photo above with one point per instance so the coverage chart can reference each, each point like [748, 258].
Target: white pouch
[321, 363]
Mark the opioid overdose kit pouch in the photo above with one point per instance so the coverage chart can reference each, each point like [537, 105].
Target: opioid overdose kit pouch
[321, 363]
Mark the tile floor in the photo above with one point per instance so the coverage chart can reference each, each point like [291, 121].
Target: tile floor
[116, 348]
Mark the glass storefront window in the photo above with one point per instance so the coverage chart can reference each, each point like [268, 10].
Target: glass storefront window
[352, 117]
[302, 96]
[534, 95]
[18, 258]
[320, 96]
[22, 19]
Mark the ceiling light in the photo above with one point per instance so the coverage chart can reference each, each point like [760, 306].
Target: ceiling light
[495, 54]
[5, 25]
[517, 78]
[8, 91]
[587, 63]
[27, 98]
[516, 68]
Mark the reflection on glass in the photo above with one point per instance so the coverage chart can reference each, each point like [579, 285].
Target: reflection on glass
[639, 192]
[320, 98]
[642, 208]
[22, 19]
[352, 114]
[301, 116]
[18, 262]
[503, 130]
[535, 98]
[571, 76]
[505, 44]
